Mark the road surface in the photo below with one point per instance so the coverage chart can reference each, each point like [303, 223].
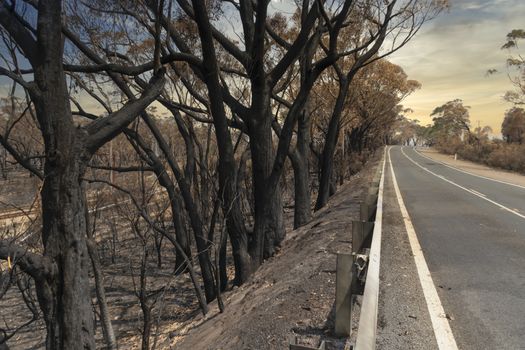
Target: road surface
[472, 234]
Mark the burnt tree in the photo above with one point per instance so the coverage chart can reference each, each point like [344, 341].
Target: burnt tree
[61, 271]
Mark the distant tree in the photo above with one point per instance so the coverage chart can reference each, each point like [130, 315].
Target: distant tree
[513, 126]
[378, 91]
[516, 63]
[483, 132]
[451, 119]
[407, 131]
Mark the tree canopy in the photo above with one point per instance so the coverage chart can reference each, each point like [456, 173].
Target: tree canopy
[451, 118]
[513, 126]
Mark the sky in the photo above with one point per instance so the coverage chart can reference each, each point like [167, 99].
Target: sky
[451, 55]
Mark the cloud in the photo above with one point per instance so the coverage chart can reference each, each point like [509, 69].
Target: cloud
[452, 53]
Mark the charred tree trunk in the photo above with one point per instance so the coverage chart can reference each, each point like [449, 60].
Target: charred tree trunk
[301, 167]
[105, 318]
[327, 156]
[269, 224]
[65, 299]
[223, 273]
[146, 304]
[181, 233]
[165, 181]
[227, 169]
[65, 294]
[191, 208]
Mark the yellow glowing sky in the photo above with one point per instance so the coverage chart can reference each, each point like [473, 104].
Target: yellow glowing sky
[451, 55]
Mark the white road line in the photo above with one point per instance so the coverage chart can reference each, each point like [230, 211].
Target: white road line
[467, 172]
[477, 194]
[444, 336]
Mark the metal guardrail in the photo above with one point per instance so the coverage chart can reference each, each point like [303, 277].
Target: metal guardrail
[362, 268]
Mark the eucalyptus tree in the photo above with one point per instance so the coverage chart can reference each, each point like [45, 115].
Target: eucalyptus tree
[243, 79]
[513, 126]
[451, 119]
[263, 69]
[61, 269]
[180, 183]
[516, 63]
[383, 27]
[378, 91]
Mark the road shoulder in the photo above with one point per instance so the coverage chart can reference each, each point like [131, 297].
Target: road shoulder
[473, 168]
[404, 321]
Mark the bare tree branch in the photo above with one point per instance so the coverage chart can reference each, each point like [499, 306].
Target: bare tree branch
[18, 32]
[133, 70]
[104, 129]
[35, 265]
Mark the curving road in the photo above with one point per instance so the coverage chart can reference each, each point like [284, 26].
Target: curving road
[472, 234]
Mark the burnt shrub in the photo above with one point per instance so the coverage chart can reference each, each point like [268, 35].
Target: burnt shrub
[495, 153]
[451, 145]
[508, 156]
[478, 152]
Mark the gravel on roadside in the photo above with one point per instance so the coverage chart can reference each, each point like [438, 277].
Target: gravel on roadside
[403, 320]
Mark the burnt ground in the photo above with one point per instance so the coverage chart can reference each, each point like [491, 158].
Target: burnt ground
[292, 294]
[18, 191]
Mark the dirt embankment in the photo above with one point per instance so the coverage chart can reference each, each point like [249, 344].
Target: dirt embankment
[293, 293]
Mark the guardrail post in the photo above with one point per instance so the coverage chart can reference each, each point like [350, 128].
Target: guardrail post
[368, 209]
[343, 294]
[364, 212]
[361, 232]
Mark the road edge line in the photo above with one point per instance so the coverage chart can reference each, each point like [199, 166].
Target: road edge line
[367, 331]
[484, 197]
[442, 331]
[468, 172]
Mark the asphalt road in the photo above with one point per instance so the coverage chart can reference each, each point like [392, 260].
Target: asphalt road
[472, 233]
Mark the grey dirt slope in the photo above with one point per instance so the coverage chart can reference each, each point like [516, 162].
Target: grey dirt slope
[293, 293]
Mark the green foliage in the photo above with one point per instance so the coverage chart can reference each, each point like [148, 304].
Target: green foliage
[452, 118]
[451, 134]
[513, 126]
[451, 124]
[513, 37]
[516, 65]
